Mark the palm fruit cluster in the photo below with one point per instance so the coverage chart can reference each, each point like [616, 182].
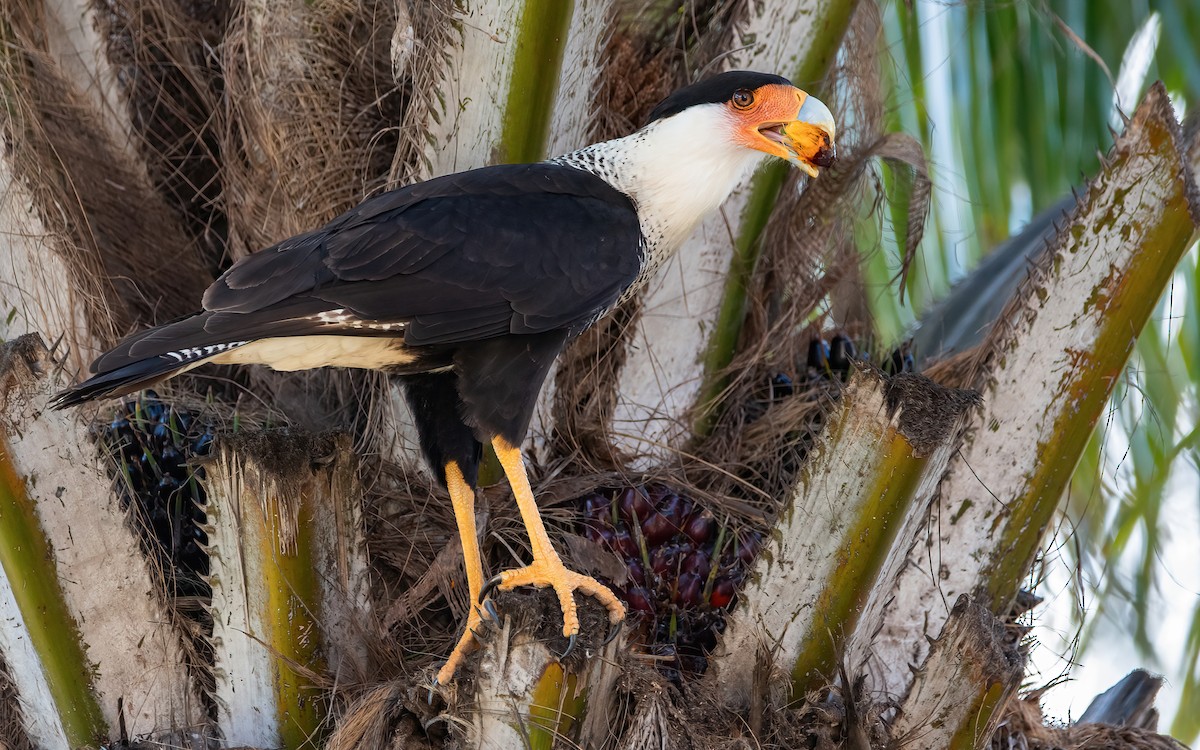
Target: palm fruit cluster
[149, 445]
[831, 359]
[684, 567]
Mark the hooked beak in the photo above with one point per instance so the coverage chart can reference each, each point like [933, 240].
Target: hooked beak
[807, 140]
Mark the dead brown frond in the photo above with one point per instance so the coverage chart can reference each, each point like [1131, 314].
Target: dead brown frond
[12, 723]
[957, 371]
[165, 55]
[1024, 728]
[377, 719]
[421, 54]
[584, 395]
[128, 255]
[310, 114]
[409, 525]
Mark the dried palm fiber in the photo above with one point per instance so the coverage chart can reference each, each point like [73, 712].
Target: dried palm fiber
[378, 719]
[308, 130]
[422, 48]
[808, 258]
[311, 109]
[129, 258]
[1023, 728]
[166, 56]
[645, 58]
[12, 722]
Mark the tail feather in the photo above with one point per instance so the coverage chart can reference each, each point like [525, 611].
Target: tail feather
[120, 382]
[153, 355]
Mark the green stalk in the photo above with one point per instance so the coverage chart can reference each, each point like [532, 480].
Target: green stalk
[832, 20]
[31, 573]
[866, 544]
[292, 607]
[555, 704]
[541, 39]
[891, 318]
[841, 528]
[1186, 725]
[1126, 306]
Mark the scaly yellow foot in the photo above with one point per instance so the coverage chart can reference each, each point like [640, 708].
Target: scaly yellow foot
[547, 569]
[466, 644]
[551, 572]
[462, 495]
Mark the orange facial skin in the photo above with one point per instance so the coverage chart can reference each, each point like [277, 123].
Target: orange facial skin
[769, 119]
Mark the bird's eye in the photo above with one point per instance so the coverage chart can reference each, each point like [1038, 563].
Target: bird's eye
[743, 98]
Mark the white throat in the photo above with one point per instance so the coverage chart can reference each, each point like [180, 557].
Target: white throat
[675, 170]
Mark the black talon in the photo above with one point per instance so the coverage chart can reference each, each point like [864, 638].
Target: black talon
[613, 632]
[492, 584]
[433, 685]
[570, 647]
[490, 607]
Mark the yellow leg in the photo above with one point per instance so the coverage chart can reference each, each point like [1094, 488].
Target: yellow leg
[462, 495]
[547, 569]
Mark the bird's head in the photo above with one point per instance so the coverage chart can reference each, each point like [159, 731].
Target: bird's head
[764, 113]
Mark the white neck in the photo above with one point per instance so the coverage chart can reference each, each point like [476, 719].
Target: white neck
[675, 170]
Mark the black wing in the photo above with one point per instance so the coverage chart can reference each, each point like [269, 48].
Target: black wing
[507, 249]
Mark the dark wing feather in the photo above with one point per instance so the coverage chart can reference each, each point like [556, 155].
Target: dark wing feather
[507, 249]
[290, 318]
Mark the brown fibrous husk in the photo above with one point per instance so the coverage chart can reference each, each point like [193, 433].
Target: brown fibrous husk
[12, 724]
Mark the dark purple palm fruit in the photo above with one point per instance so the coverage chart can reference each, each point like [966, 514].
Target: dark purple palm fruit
[699, 527]
[635, 505]
[640, 600]
[626, 545]
[725, 587]
[666, 520]
[697, 562]
[149, 446]
[900, 360]
[841, 353]
[781, 386]
[689, 590]
[748, 545]
[683, 567]
[818, 358]
[665, 560]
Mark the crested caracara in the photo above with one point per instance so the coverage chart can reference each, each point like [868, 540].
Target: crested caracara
[468, 286]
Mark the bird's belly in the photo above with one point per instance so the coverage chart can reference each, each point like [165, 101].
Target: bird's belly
[308, 352]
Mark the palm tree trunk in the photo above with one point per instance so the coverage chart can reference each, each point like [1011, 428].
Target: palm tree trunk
[894, 552]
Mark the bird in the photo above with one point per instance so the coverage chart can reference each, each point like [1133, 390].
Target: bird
[466, 287]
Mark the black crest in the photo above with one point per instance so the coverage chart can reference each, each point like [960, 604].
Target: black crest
[718, 88]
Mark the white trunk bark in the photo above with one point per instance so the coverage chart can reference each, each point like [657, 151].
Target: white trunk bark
[74, 41]
[1056, 353]
[473, 93]
[525, 698]
[288, 586]
[34, 295]
[662, 376]
[881, 453]
[957, 698]
[103, 575]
